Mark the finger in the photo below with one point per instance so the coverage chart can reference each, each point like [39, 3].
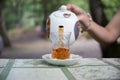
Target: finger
[77, 10]
[71, 7]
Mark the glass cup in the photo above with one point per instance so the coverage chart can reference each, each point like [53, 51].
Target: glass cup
[60, 45]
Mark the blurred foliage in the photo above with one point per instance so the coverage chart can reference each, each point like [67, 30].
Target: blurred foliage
[28, 13]
[84, 4]
[111, 7]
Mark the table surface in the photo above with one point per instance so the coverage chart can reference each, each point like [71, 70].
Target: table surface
[38, 69]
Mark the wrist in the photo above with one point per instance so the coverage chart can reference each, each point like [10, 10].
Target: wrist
[87, 22]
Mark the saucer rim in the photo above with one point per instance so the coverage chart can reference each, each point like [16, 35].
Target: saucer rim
[50, 58]
[60, 61]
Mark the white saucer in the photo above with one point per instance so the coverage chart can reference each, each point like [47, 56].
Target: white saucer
[71, 61]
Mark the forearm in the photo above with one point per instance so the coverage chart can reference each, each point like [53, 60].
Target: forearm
[101, 34]
[108, 34]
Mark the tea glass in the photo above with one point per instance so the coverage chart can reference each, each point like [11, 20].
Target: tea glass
[60, 45]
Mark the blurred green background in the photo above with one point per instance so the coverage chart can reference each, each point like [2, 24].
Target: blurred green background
[21, 15]
[27, 13]
[23, 24]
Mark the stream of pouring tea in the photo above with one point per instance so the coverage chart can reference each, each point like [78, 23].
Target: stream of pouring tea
[61, 29]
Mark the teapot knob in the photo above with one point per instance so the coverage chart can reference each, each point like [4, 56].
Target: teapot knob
[63, 8]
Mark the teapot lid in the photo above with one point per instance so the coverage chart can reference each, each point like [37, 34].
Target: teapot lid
[64, 13]
[63, 8]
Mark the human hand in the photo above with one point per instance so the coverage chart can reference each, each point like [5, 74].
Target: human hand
[83, 17]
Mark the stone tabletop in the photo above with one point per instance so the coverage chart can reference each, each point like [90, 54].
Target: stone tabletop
[38, 69]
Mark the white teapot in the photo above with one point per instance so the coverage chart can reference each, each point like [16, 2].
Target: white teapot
[65, 18]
